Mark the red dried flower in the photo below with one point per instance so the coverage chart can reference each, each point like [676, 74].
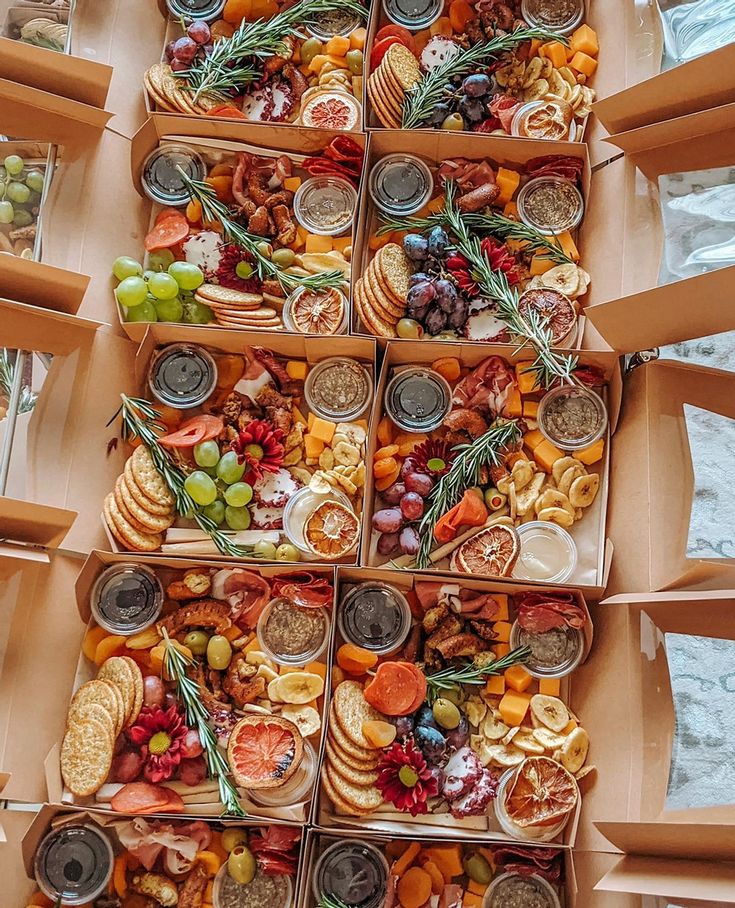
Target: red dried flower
[160, 735]
[227, 275]
[499, 257]
[404, 778]
[433, 457]
[260, 446]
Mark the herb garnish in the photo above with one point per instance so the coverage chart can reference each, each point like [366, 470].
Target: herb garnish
[473, 673]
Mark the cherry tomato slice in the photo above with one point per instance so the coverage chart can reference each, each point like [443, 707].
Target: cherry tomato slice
[380, 48]
[397, 31]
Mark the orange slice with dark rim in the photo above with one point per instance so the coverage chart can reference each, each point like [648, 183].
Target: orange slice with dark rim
[331, 530]
[318, 312]
[541, 793]
[264, 751]
[556, 311]
[491, 551]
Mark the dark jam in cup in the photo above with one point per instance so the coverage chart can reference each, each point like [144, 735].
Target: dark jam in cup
[74, 863]
[182, 376]
[354, 872]
[161, 178]
[375, 616]
[401, 184]
[126, 599]
[417, 400]
[414, 15]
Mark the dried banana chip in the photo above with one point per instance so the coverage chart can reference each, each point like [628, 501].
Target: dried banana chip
[526, 741]
[538, 90]
[501, 755]
[574, 750]
[568, 477]
[550, 711]
[532, 72]
[347, 454]
[521, 474]
[319, 483]
[527, 498]
[326, 459]
[583, 490]
[558, 516]
[562, 464]
[553, 498]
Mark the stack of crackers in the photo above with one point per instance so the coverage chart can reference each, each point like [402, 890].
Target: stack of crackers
[167, 92]
[141, 508]
[380, 294]
[235, 309]
[387, 85]
[98, 712]
[349, 769]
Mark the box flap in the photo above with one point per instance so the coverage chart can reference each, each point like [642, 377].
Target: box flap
[71, 77]
[675, 879]
[42, 285]
[704, 841]
[14, 825]
[42, 329]
[700, 84]
[41, 635]
[47, 117]
[34, 524]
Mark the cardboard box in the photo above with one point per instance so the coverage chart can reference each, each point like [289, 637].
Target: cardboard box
[67, 435]
[388, 820]
[595, 550]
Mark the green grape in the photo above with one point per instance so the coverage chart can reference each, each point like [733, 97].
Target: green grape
[206, 453]
[237, 518]
[196, 313]
[239, 494]
[265, 549]
[147, 275]
[22, 218]
[215, 511]
[244, 270]
[163, 286]
[124, 266]
[7, 213]
[169, 310]
[309, 49]
[228, 469]
[34, 180]
[131, 292]
[287, 552]
[201, 487]
[160, 259]
[186, 275]
[13, 164]
[18, 192]
[145, 312]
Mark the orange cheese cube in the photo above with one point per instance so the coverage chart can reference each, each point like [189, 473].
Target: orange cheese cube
[502, 631]
[316, 243]
[549, 686]
[584, 40]
[296, 369]
[513, 406]
[340, 243]
[533, 439]
[530, 409]
[292, 183]
[313, 446]
[358, 38]
[298, 416]
[592, 454]
[508, 181]
[517, 678]
[501, 649]
[477, 888]
[377, 242]
[323, 429]
[471, 900]
[540, 265]
[569, 727]
[338, 45]
[534, 48]
[583, 63]
[546, 455]
[501, 599]
[253, 646]
[526, 378]
[448, 858]
[310, 421]
[564, 239]
[554, 51]
[513, 707]
[495, 686]
[511, 210]
[317, 61]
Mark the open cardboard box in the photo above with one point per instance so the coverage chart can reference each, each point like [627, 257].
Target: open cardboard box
[594, 548]
[391, 821]
[213, 136]
[434, 147]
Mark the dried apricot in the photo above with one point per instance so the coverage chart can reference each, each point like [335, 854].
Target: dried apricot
[385, 431]
[237, 10]
[386, 482]
[386, 451]
[114, 645]
[448, 367]
[355, 659]
[385, 467]
[93, 636]
[408, 442]
[194, 212]
[414, 888]
[379, 734]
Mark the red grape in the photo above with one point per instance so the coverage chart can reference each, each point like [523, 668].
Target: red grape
[412, 506]
[394, 493]
[199, 31]
[389, 520]
[409, 540]
[127, 767]
[192, 746]
[420, 483]
[170, 50]
[387, 543]
[409, 466]
[154, 692]
[185, 49]
[178, 67]
[192, 772]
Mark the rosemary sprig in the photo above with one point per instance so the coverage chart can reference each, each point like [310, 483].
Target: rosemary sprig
[493, 223]
[472, 673]
[227, 69]
[463, 474]
[7, 373]
[529, 329]
[197, 717]
[328, 900]
[139, 419]
[214, 210]
[421, 99]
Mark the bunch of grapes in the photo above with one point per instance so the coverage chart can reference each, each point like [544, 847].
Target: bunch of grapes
[433, 301]
[162, 293]
[467, 103]
[197, 42]
[406, 503]
[20, 192]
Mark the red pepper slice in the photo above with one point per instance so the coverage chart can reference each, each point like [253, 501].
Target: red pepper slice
[193, 432]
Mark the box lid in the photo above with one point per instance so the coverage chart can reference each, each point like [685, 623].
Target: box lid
[39, 284]
[48, 117]
[14, 825]
[691, 883]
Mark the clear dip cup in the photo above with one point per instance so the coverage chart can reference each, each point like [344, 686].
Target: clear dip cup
[543, 885]
[548, 553]
[308, 654]
[296, 790]
[299, 508]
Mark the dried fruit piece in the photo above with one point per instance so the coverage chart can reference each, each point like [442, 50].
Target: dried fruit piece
[355, 659]
[331, 530]
[264, 751]
[583, 490]
[491, 551]
[574, 750]
[318, 312]
[550, 711]
[378, 734]
[541, 793]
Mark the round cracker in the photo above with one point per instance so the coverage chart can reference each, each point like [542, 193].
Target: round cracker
[362, 798]
[402, 65]
[125, 532]
[137, 687]
[120, 704]
[386, 115]
[218, 294]
[340, 805]
[369, 317]
[153, 507]
[100, 693]
[148, 479]
[99, 714]
[151, 523]
[123, 508]
[353, 757]
[352, 710]
[394, 267]
[117, 670]
[348, 772]
[86, 757]
[387, 295]
[390, 90]
[392, 312]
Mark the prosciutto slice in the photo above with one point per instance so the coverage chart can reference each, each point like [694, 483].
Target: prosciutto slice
[539, 612]
[246, 592]
[304, 589]
[486, 388]
[146, 841]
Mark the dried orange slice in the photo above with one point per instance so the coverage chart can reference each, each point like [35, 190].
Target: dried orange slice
[542, 793]
[264, 751]
[556, 311]
[491, 551]
[331, 530]
[318, 312]
[331, 110]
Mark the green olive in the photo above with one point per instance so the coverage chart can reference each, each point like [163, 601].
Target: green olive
[284, 258]
[353, 58]
[264, 248]
[197, 642]
[454, 121]
[219, 652]
[478, 868]
[232, 837]
[454, 695]
[446, 713]
[241, 865]
[309, 49]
